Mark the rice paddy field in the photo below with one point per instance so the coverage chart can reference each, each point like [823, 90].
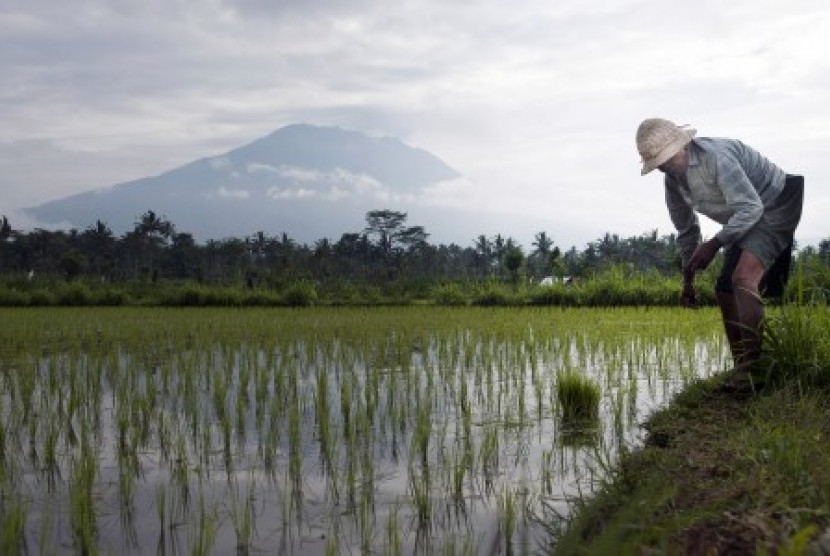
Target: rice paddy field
[324, 430]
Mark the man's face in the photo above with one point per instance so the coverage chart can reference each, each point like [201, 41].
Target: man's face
[676, 165]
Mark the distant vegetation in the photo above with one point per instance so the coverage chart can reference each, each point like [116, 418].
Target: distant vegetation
[388, 262]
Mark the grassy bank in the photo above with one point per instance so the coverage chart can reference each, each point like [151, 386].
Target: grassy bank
[726, 471]
[613, 288]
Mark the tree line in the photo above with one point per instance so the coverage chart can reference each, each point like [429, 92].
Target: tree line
[388, 261]
[387, 250]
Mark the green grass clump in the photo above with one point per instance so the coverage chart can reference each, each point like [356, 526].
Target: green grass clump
[449, 295]
[492, 294]
[797, 346]
[300, 294]
[578, 396]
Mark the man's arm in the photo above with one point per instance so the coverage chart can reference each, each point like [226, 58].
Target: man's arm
[684, 219]
[741, 197]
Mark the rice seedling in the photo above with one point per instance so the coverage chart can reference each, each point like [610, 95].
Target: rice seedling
[83, 514]
[242, 516]
[578, 396]
[203, 533]
[13, 516]
[419, 490]
[507, 518]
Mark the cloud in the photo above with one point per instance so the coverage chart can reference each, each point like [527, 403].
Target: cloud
[220, 163]
[225, 193]
[283, 193]
[336, 185]
[535, 102]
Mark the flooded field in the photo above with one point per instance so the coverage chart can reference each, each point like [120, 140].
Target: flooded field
[323, 431]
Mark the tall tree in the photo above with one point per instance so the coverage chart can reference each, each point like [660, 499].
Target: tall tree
[513, 259]
[99, 246]
[5, 229]
[384, 225]
[484, 255]
[148, 238]
[541, 255]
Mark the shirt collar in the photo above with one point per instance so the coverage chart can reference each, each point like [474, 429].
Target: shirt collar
[693, 159]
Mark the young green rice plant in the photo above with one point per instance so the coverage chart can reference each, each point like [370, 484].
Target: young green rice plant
[507, 518]
[127, 474]
[419, 490]
[578, 396]
[366, 522]
[324, 421]
[332, 543]
[180, 472]
[50, 454]
[546, 472]
[421, 435]
[83, 517]
[268, 450]
[242, 516]
[163, 433]
[227, 443]
[393, 532]
[45, 533]
[203, 532]
[161, 507]
[351, 474]
[489, 457]
[13, 516]
[295, 453]
[241, 418]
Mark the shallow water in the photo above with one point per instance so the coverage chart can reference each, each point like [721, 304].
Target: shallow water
[325, 431]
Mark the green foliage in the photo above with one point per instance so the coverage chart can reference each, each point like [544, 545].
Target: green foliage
[612, 288]
[561, 295]
[493, 294]
[10, 297]
[196, 295]
[41, 297]
[300, 294]
[449, 295]
[578, 396]
[796, 344]
[74, 294]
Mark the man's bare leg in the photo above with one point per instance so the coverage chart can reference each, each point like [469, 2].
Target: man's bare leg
[748, 305]
[731, 324]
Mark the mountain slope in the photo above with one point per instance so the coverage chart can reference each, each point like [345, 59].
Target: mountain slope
[307, 181]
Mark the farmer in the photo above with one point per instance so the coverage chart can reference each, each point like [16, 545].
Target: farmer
[759, 206]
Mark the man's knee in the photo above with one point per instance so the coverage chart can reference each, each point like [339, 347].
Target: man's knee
[748, 273]
[745, 282]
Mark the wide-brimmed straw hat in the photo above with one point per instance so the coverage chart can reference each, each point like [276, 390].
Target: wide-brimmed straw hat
[658, 140]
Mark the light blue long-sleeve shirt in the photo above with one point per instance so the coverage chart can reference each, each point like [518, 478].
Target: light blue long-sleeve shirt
[727, 181]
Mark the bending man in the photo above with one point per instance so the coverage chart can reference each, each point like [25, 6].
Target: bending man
[759, 206]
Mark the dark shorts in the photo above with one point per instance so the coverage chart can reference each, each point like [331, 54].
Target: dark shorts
[771, 240]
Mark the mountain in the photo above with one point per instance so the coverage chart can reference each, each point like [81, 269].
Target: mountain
[307, 181]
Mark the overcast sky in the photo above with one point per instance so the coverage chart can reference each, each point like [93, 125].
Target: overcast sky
[535, 101]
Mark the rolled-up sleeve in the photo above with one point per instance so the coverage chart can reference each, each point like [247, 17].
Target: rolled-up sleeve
[741, 197]
[684, 219]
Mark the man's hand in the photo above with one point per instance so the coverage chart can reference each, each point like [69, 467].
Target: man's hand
[702, 256]
[689, 295]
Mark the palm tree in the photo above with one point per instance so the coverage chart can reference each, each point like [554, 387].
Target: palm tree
[149, 237]
[484, 254]
[541, 255]
[99, 245]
